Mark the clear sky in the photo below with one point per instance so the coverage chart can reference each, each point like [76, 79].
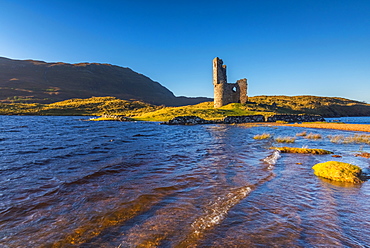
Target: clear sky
[283, 47]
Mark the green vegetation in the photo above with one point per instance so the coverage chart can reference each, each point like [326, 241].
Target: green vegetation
[301, 150]
[203, 110]
[137, 110]
[262, 136]
[92, 106]
[264, 105]
[285, 139]
[338, 171]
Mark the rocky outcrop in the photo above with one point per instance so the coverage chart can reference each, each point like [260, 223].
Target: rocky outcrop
[295, 118]
[194, 120]
[187, 120]
[243, 119]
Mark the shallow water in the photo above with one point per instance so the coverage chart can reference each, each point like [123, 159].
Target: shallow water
[71, 183]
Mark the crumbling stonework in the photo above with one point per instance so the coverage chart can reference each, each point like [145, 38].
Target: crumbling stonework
[225, 93]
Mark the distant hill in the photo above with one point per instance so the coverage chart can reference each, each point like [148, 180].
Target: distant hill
[325, 106]
[40, 82]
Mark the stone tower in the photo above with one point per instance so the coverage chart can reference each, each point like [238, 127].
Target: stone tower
[225, 93]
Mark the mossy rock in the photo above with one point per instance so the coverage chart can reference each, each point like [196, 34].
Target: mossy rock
[338, 171]
[302, 150]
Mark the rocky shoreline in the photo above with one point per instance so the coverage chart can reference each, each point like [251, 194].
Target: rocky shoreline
[195, 120]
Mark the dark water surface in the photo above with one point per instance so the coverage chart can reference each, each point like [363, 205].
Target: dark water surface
[71, 183]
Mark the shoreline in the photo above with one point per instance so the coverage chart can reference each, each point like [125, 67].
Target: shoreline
[335, 126]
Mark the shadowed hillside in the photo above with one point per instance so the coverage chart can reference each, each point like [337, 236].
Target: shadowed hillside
[38, 81]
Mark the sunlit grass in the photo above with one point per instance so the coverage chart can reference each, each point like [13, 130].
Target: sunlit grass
[203, 110]
[90, 106]
[302, 134]
[357, 139]
[262, 136]
[282, 122]
[313, 136]
[281, 139]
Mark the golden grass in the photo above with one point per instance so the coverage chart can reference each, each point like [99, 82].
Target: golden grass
[90, 106]
[282, 122]
[312, 105]
[203, 110]
[262, 136]
[301, 150]
[337, 126]
[313, 136]
[338, 171]
[356, 138]
[302, 134]
[285, 139]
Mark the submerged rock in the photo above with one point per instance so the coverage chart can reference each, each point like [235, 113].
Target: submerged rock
[302, 150]
[338, 171]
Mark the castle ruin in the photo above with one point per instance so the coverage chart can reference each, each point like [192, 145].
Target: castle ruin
[224, 92]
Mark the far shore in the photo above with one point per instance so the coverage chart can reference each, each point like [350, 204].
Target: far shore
[337, 126]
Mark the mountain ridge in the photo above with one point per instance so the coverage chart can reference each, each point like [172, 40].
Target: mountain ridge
[47, 82]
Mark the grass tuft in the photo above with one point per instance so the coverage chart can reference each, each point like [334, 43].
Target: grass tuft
[285, 139]
[313, 136]
[262, 136]
[302, 134]
[357, 139]
[338, 171]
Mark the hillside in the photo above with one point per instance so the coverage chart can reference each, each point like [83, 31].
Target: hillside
[40, 82]
[265, 105]
[325, 106]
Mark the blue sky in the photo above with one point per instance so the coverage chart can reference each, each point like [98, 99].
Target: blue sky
[283, 47]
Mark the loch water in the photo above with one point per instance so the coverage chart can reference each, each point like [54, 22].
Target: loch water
[66, 182]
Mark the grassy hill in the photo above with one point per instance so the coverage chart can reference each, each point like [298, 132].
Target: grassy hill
[265, 105]
[325, 106]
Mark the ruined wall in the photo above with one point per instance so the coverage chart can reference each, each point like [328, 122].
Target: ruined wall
[225, 93]
[219, 82]
[243, 86]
